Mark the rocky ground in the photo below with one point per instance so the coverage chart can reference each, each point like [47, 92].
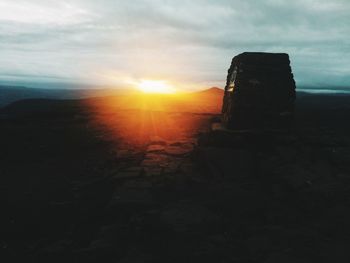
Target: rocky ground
[75, 192]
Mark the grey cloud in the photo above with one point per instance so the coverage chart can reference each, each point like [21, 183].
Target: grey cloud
[189, 41]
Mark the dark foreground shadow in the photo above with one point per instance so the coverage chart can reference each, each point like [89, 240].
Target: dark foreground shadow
[75, 190]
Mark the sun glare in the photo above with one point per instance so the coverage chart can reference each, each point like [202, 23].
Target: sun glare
[155, 86]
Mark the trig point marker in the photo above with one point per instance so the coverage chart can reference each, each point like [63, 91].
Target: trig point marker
[259, 92]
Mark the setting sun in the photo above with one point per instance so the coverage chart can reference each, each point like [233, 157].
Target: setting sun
[155, 86]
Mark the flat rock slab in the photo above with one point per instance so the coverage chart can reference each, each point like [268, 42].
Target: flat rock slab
[155, 148]
[179, 150]
[183, 141]
[155, 160]
[157, 140]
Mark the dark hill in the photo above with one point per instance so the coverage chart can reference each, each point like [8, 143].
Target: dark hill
[212, 91]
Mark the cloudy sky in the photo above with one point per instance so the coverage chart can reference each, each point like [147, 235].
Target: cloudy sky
[187, 43]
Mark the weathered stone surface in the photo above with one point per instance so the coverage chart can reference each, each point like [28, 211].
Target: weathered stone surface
[157, 140]
[155, 148]
[183, 141]
[179, 150]
[156, 156]
[259, 92]
[154, 160]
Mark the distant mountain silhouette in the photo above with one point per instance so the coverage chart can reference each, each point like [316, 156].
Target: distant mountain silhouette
[9, 94]
[205, 101]
[212, 91]
[25, 101]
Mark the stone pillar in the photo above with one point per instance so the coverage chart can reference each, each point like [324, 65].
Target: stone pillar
[259, 92]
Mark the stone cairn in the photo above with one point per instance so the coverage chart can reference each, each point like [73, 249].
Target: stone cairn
[259, 92]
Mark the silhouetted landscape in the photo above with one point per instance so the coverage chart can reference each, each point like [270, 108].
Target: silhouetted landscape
[84, 181]
[154, 131]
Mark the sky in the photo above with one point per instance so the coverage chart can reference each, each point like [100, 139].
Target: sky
[188, 44]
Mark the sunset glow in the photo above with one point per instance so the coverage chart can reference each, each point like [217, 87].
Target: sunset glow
[155, 86]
